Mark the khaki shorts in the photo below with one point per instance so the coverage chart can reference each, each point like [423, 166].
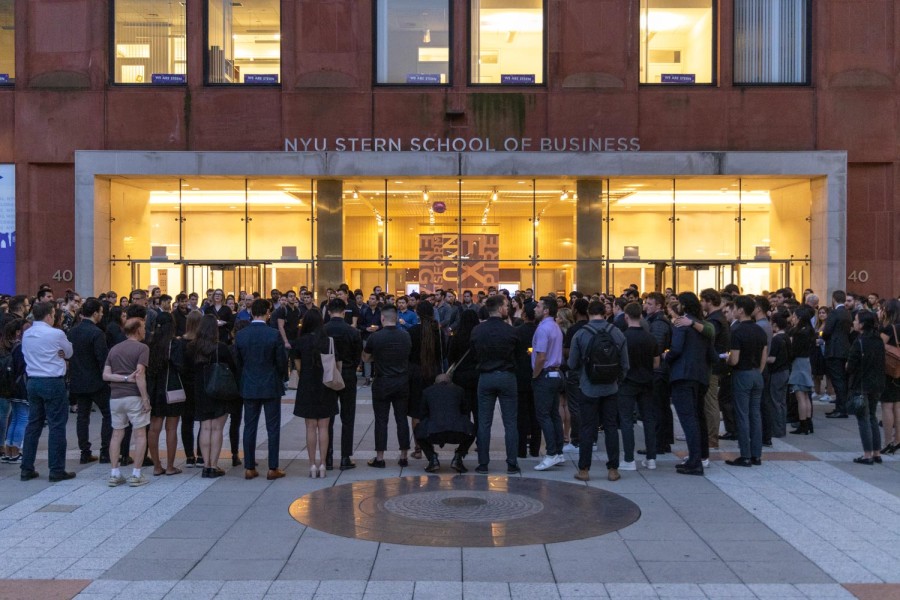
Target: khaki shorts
[128, 410]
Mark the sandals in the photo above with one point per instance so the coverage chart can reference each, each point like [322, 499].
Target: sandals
[175, 471]
[378, 464]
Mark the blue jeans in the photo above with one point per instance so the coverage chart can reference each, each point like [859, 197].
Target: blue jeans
[18, 421]
[48, 401]
[868, 425]
[686, 398]
[493, 386]
[748, 389]
[546, 406]
[252, 410]
[4, 417]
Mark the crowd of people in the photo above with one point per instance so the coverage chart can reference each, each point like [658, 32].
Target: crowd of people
[564, 370]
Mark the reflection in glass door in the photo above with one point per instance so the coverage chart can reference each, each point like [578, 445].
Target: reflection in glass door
[232, 278]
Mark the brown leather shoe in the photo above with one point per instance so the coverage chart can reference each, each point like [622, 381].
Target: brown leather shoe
[583, 475]
[274, 474]
[613, 475]
[251, 474]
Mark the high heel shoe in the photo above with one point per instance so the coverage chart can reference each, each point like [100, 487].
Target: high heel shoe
[313, 471]
[322, 471]
[889, 449]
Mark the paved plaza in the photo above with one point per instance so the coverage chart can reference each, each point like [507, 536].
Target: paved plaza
[808, 524]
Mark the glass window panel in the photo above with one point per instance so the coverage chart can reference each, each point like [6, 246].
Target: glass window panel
[144, 215]
[677, 41]
[149, 42]
[706, 212]
[364, 232]
[771, 41]
[7, 42]
[640, 217]
[555, 204]
[244, 41]
[213, 219]
[280, 225]
[507, 42]
[776, 219]
[413, 42]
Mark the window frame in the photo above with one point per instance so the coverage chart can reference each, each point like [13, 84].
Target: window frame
[544, 61]
[714, 57]
[12, 83]
[809, 51]
[208, 83]
[112, 56]
[450, 33]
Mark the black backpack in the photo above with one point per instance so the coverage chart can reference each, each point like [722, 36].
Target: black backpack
[601, 359]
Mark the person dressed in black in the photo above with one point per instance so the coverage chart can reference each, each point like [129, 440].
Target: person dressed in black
[637, 389]
[836, 334]
[748, 355]
[115, 322]
[579, 309]
[200, 353]
[779, 360]
[348, 347]
[389, 349]
[803, 348]
[368, 323]
[661, 328]
[426, 358]
[496, 345]
[459, 353]
[865, 374]
[444, 420]
[224, 316]
[86, 385]
[526, 418]
[163, 414]
[314, 403]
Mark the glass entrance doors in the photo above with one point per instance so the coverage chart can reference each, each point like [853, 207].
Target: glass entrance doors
[228, 276]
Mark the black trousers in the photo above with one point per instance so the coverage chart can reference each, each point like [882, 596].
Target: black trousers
[235, 412]
[766, 409]
[572, 398]
[835, 368]
[347, 405]
[527, 423]
[665, 424]
[387, 393]
[427, 444]
[82, 424]
[726, 403]
[593, 411]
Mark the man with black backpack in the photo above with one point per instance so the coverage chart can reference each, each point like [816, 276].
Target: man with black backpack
[599, 352]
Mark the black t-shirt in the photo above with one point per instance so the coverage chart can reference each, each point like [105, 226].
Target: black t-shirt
[350, 312]
[750, 339]
[390, 348]
[571, 331]
[803, 342]
[642, 350]
[781, 350]
[291, 318]
[889, 332]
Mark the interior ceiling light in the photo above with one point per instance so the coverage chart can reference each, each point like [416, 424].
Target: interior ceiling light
[696, 198]
[425, 194]
[505, 21]
[494, 195]
[224, 198]
[355, 193]
[564, 196]
[426, 39]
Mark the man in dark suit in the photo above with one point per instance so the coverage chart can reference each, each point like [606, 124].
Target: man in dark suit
[261, 361]
[86, 385]
[348, 348]
[836, 334]
[445, 420]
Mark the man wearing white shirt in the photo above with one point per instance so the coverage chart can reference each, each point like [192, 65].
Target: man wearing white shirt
[46, 350]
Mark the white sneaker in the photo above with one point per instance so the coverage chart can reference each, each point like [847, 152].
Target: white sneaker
[546, 463]
[137, 481]
[570, 448]
[627, 466]
[680, 438]
[595, 447]
[705, 463]
[649, 463]
[114, 481]
[559, 459]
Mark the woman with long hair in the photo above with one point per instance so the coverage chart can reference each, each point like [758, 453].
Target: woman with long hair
[865, 375]
[206, 349]
[188, 439]
[314, 402]
[16, 406]
[565, 318]
[822, 390]
[890, 398]
[465, 375]
[224, 316]
[115, 322]
[426, 358]
[162, 414]
[803, 347]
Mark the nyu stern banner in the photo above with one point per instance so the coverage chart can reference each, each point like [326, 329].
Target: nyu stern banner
[7, 229]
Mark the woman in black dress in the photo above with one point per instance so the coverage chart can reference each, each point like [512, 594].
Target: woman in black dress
[314, 402]
[224, 316]
[426, 359]
[161, 412]
[200, 352]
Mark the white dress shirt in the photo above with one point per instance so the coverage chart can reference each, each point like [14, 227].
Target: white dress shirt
[41, 345]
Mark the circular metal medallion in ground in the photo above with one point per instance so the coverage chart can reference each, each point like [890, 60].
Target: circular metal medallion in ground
[467, 511]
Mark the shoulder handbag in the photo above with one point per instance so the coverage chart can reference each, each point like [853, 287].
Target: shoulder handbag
[857, 402]
[331, 369]
[219, 381]
[174, 388]
[453, 367]
[892, 357]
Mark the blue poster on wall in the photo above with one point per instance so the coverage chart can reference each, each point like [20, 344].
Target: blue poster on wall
[7, 229]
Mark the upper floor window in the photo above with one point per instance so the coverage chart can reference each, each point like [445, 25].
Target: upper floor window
[771, 41]
[244, 41]
[507, 42]
[149, 42]
[7, 42]
[412, 42]
[677, 41]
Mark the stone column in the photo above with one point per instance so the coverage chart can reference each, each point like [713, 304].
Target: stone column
[329, 235]
[589, 235]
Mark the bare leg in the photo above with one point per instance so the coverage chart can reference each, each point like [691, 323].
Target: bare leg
[114, 442]
[311, 441]
[139, 435]
[156, 424]
[171, 442]
[804, 408]
[322, 426]
[205, 429]
[217, 430]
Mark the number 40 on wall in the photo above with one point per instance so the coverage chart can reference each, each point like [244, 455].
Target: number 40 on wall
[63, 275]
[858, 276]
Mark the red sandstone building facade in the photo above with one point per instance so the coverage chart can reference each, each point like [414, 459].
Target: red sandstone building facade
[595, 89]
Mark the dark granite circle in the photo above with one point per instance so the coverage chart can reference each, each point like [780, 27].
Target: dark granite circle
[464, 511]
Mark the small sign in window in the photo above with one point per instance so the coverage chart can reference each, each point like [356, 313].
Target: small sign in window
[678, 78]
[168, 79]
[261, 79]
[424, 78]
[4, 77]
[517, 79]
